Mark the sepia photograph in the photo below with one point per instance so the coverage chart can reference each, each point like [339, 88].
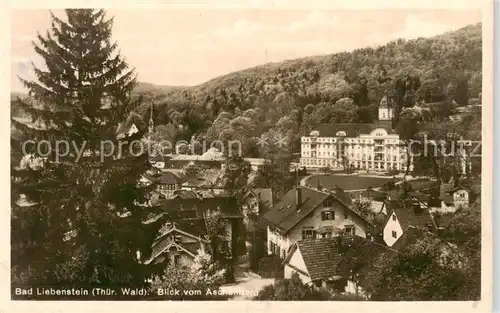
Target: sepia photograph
[232, 154]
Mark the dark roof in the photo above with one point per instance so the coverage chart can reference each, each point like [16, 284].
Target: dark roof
[329, 258]
[164, 178]
[198, 206]
[410, 213]
[352, 129]
[321, 257]
[410, 236]
[285, 214]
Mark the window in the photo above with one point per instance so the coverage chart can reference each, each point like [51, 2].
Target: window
[394, 234]
[283, 253]
[272, 246]
[328, 203]
[350, 230]
[325, 235]
[308, 233]
[393, 217]
[327, 216]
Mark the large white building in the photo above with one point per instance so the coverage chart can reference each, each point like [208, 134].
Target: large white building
[374, 147]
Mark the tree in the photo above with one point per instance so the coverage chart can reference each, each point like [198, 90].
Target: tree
[292, 289]
[429, 270]
[275, 172]
[77, 219]
[219, 244]
[235, 176]
[203, 275]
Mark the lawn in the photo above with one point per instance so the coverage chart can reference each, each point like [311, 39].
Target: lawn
[346, 182]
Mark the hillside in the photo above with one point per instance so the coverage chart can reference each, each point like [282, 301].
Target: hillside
[440, 70]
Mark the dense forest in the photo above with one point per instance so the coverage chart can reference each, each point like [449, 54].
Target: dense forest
[291, 97]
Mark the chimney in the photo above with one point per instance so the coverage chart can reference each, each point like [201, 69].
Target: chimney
[298, 197]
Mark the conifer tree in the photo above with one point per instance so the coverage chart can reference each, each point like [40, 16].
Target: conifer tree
[77, 219]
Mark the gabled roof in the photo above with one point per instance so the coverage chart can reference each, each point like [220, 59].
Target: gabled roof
[321, 257]
[352, 129]
[333, 258]
[408, 214]
[285, 214]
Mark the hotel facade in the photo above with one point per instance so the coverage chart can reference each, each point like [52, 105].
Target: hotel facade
[371, 147]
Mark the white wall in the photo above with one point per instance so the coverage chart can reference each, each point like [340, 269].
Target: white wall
[314, 220]
[390, 226]
[461, 198]
[296, 261]
[340, 221]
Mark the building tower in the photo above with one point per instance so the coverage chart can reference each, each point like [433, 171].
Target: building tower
[385, 110]
[151, 120]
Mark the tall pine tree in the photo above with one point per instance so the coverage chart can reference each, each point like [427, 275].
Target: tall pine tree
[79, 221]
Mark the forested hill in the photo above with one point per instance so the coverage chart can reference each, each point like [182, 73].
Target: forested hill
[442, 70]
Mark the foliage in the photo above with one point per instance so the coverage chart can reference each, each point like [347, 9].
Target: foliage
[203, 275]
[81, 220]
[275, 172]
[217, 235]
[292, 289]
[235, 176]
[429, 270]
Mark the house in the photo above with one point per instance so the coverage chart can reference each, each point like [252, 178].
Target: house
[179, 208]
[178, 242]
[371, 147]
[307, 213]
[452, 198]
[404, 214]
[167, 182]
[257, 201]
[339, 263]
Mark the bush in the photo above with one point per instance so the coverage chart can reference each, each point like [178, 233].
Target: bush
[292, 289]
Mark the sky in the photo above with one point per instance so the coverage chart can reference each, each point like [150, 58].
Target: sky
[188, 47]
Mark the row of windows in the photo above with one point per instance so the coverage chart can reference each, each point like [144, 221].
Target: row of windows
[350, 140]
[310, 233]
[354, 164]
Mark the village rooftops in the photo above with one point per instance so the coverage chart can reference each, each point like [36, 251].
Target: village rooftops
[286, 213]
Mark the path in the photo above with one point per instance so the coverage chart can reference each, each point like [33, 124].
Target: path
[247, 284]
